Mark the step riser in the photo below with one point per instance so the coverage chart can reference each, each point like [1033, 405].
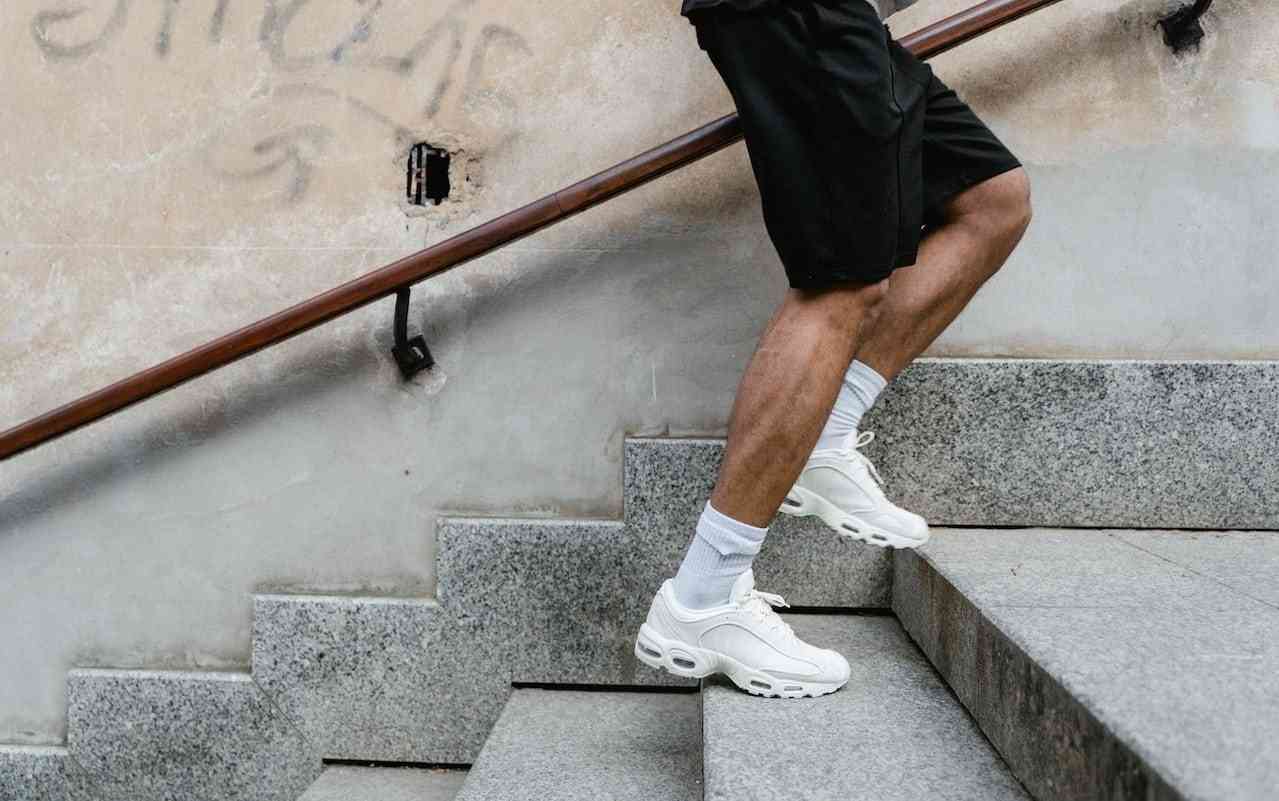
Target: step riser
[562, 744]
[184, 736]
[42, 774]
[1053, 744]
[392, 680]
[975, 442]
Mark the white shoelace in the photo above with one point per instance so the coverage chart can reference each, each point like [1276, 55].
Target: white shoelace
[761, 606]
[851, 451]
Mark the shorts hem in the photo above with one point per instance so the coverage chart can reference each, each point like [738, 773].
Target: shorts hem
[825, 280]
[989, 170]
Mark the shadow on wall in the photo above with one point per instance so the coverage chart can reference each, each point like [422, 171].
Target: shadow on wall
[332, 363]
[311, 374]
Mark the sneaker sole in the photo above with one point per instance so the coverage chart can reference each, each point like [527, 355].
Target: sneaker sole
[802, 502]
[684, 660]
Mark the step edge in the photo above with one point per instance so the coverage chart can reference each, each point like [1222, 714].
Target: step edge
[1138, 754]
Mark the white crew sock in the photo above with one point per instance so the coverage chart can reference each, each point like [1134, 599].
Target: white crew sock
[721, 550]
[861, 387]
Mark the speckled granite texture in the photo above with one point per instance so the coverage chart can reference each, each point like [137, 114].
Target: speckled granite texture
[893, 733]
[345, 783]
[556, 745]
[381, 678]
[979, 442]
[565, 597]
[1109, 665]
[37, 773]
[184, 736]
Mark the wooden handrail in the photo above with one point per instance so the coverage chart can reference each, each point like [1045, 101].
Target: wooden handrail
[503, 230]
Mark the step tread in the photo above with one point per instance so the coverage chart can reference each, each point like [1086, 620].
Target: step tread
[556, 745]
[1168, 639]
[351, 783]
[893, 732]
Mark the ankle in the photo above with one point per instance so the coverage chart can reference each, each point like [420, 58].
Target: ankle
[722, 549]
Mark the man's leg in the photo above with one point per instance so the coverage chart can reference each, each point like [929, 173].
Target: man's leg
[709, 618]
[979, 229]
[786, 394]
[982, 226]
[783, 398]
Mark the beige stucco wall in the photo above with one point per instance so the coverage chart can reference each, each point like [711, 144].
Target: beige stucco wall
[172, 171]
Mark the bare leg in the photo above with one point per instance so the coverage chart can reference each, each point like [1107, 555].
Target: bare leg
[786, 394]
[790, 384]
[983, 225]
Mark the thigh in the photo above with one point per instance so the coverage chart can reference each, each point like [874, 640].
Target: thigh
[959, 151]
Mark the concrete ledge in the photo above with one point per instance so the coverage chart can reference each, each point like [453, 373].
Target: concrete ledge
[38, 773]
[985, 442]
[1106, 665]
[184, 736]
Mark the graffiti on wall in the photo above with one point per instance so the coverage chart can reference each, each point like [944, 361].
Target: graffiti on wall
[287, 140]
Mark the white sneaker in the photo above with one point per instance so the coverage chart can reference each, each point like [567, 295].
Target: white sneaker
[744, 639]
[844, 489]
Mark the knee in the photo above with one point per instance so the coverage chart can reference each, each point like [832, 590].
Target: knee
[843, 309]
[1000, 207]
[1008, 205]
[874, 303]
[1016, 204]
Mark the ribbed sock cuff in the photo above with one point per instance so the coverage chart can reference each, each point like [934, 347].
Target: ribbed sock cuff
[865, 381]
[729, 536]
[722, 550]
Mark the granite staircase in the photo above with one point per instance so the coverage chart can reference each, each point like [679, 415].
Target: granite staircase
[1054, 661]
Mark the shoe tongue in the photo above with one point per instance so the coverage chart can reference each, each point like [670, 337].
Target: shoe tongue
[742, 586]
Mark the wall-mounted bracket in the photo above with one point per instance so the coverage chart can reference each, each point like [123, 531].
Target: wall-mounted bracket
[428, 174]
[1182, 29]
[412, 355]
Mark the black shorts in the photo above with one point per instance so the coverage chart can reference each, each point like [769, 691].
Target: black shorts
[855, 144]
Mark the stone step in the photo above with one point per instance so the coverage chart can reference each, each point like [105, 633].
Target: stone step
[382, 679]
[42, 773]
[153, 735]
[1109, 665]
[578, 745]
[1082, 443]
[352, 783]
[893, 733]
[1006, 442]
